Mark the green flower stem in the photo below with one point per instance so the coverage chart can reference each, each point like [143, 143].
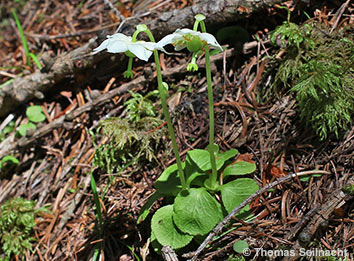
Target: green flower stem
[135, 35]
[198, 18]
[195, 26]
[129, 72]
[213, 177]
[130, 64]
[166, 114]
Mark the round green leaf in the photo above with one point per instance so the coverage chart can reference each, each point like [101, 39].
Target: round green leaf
[24, 127]
[169, 183]
[35, 114]
[202, 158]
[240, 246]
[235, 192]
[240, 168]
[164, 229]
[196, 212]
[227, 154]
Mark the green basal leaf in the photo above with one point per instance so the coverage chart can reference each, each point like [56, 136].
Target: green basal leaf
[227, 154]
[169, 183]
[239, 168]
[35, 114]
[192, 171]
[24, 127]
[145, 210]
[235, 192]
[240, 246]
[202, 158]
[196, 212]
[166, 232]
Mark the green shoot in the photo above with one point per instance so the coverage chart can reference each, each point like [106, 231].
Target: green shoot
[28, 54]
[96, 200]
[22, 35]
[35, 60]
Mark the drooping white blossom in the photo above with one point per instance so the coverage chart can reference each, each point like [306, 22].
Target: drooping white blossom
[120, 43]
[183, 38]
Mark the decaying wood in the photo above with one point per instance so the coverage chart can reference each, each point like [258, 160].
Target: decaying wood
[23, 89]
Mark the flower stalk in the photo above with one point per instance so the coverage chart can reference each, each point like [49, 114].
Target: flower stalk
[212, 148]
[163, 92]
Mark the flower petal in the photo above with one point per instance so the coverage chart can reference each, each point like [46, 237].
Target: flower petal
[116, 43]
[185, 31]
[148, 45]
[211, 40]
[117, 46]
[168, 39]
[102, 46]
[140, 51]
[121, 37]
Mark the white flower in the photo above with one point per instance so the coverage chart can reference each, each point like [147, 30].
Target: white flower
[193, 40]
[120, 43]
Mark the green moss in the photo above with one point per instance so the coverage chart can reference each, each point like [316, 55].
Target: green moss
[17, 220]
[318, 69]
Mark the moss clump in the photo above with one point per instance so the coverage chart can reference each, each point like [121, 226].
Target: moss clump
[17, 220]
[318, 69]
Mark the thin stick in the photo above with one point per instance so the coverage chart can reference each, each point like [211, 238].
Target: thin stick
[115, 10]
[227, 219]
[340, 13]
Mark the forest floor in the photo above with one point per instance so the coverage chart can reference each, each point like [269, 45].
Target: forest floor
[262, 122]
